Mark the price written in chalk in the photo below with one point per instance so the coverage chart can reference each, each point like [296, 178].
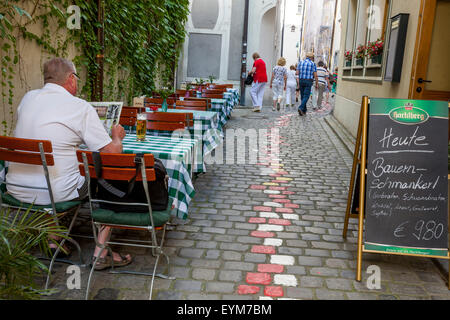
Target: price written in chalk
[423, 230]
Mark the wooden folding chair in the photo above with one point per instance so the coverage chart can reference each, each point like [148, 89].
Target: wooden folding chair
[148, 102]
[191, 105]
[214, 91]
[212, 95]
[208, 101]
[123, 167]
[220, 86]
[165, 121]
[38, 153]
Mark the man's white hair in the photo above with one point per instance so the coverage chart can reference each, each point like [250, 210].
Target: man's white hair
[57, 70]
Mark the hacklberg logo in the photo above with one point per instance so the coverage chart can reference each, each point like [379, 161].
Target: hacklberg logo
[408, 114]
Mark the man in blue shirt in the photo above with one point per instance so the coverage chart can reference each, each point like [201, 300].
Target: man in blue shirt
[307, 72]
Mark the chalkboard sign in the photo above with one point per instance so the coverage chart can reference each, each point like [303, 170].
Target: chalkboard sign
[406, 207]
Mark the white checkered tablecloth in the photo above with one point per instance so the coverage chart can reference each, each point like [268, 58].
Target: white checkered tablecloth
[236, 98]
[221, 106]
[176, 154]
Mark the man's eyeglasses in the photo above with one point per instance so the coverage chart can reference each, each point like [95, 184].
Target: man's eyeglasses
[76, 76]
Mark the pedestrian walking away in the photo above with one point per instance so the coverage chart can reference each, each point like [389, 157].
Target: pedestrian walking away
[278, 83]
[323, 83]
[334, 82]
[291, 87]
[259, 82]
[307, 72]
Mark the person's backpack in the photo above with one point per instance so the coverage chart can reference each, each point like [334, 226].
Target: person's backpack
[131, 191]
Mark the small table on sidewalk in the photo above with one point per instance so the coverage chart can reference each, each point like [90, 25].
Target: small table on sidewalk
[176, 154]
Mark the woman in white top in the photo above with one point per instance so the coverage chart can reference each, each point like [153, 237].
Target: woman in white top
[291, 86]
[278, 82]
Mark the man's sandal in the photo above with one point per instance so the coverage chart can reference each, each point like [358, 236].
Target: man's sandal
[107, 262]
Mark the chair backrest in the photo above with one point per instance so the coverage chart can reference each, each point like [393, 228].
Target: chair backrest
[208, 101]
[199, 105]
[31, 152]
[214, 91]
[128, 116]
[158, 101]
[185, 93]
[27, 151]
[212, 95]
[117, 166]
[220, 86]
[167, 121]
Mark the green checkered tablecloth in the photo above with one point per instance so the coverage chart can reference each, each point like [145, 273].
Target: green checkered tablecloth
[176, 154]
[235, 92]
[221, 106]
[206, 129]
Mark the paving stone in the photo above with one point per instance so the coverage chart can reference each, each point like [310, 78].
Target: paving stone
[203, 274]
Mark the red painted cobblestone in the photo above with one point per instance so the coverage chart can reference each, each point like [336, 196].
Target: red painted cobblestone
[288, 192]
[284, 210]
[258, 278]
[245, 289]
[262, 234]
[257, 220]
[263, 249]
[273, 291]
[291, 205]
[257, 187]
[270, 268]
[280, 222]
[277, 196]
[282, 200]
[277, 188]
[262, 208]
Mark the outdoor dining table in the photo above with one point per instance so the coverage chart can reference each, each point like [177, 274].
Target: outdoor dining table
[207, 130]
[235, 95]
[176, 154]
[223, 108]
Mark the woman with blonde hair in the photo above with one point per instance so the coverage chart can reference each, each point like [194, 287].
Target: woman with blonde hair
[278, 82]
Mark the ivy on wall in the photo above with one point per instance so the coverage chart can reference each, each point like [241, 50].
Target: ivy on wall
[142, 43]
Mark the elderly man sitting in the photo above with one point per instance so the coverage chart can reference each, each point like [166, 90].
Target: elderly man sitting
[54, 113]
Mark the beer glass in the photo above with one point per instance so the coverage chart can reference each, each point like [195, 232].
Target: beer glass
[141, 126]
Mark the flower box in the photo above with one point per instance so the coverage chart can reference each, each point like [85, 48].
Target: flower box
[348, 63]
[376, 59]
[359, 62]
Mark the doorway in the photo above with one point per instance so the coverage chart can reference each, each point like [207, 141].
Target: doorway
[431, 66]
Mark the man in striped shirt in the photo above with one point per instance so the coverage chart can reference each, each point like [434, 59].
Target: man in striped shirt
[324, 82]
[307, 72]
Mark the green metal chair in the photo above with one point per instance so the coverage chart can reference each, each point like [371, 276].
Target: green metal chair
[123, 167]
[38, 153]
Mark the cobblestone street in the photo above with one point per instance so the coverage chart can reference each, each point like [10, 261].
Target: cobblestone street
[270, 230]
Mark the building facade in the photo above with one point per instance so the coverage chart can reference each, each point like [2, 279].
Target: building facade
[426, 66]
[214, 40]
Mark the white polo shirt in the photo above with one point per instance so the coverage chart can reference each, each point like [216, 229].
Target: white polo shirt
[52, 113]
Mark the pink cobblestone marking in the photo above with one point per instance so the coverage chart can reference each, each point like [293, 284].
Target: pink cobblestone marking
[284, 210]
[262, 208]
[263, 249]
[258, 278]
[257, 187]
[292, 205]
[277, 188]
[257, 220]
[282, 200]
[288, 192]
[245, 289]
[262, 234]
[280, 222]
[273, 291]
[270, 268]
[277, 196]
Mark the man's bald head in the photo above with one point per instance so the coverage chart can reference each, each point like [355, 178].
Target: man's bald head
[57, 70]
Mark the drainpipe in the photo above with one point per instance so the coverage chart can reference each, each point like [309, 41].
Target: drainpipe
[282, 30]
[244, 56]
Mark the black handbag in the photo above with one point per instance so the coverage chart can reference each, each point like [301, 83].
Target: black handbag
[249, 80]
[130, 191]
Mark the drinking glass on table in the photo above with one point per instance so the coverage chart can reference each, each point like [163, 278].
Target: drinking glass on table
[141, 126]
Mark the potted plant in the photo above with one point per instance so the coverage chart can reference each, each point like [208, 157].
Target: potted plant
[348, 55]
[164, 93]
[211, 79]
[359, 55]
[375, 51]
[21, 232]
